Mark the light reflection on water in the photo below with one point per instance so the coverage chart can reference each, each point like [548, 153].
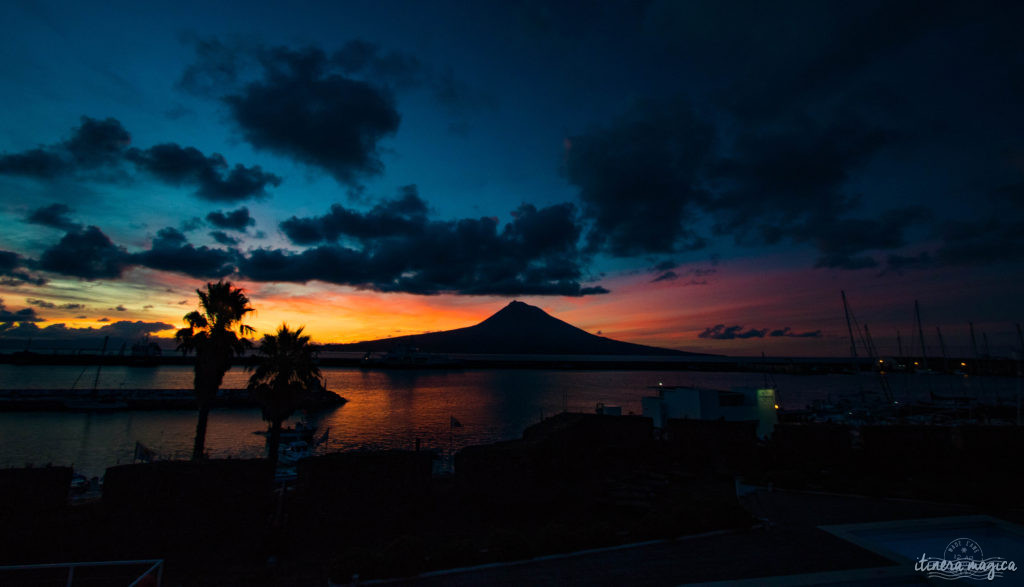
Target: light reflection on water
[386, 409]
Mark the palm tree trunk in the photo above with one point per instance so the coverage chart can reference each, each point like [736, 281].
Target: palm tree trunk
[275, 441]
[200, 443]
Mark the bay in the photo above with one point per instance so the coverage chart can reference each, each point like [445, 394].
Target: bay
[389, 409]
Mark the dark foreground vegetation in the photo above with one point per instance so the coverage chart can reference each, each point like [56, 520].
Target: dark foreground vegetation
[573, 482]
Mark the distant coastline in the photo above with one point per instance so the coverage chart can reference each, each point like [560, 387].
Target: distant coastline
[791, 365]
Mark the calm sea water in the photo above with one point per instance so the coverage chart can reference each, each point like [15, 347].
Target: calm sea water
[386, 409]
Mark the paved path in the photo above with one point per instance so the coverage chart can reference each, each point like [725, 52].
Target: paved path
[789, 544]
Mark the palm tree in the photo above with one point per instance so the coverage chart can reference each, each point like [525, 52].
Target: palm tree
[285, 370]
[211, 334]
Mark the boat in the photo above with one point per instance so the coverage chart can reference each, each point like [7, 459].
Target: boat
[290, 453]
[302, 430]
[406, 356]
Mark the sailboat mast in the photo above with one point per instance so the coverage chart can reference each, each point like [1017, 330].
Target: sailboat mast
[99, 367]
[872, 351]
[942, 345]
[974, 341]
[899, 342]
[920, 334]
[849, 326]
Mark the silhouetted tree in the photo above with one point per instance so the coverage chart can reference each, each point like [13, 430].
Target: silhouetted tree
[211, 334]
[285, 370]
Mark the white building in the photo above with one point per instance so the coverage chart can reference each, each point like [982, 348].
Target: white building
[737, 405]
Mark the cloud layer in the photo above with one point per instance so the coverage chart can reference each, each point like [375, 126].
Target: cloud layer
[394, 247]
[98, 150]
[723, 332]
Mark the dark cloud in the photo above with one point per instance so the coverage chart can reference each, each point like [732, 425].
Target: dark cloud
[8, 318]
[790, 175]
[723, 332]
[88, 254]
[37, 163]
[40, 303]
[406, 215]
[843, 261]
[787, 331]
[221, 68]
[234, 220]
[328, 110]
[119, 308]
[172, 252]
[194, 223]
[999, 238]
[300, 109]
[666, 272]
[224, 238]
[639, 180]
[400, 250]
[213, 178]
[982, 242]
[94, 144]
[901, 263]
[98, 149]
[54, 216]
[796, 55]
[13, 272]
[665, 265]
[651, 181]
[393, 247]
[124, 330]
[98, 143]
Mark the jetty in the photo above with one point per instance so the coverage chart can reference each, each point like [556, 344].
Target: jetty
[53, 400]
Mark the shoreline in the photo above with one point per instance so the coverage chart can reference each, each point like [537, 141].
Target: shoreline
[459, 362]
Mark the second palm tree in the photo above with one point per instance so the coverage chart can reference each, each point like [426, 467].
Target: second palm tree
[285, 370]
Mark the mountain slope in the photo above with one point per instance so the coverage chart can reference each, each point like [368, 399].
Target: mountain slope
[518, 328]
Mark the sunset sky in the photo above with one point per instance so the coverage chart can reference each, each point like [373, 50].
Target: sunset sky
[702, 176]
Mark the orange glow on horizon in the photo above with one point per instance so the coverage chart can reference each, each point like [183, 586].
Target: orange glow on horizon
[752, 294]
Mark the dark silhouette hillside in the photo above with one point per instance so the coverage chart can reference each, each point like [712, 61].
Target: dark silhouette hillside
[518, 328]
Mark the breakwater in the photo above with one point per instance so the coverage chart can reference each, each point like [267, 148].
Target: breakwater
[141, 399]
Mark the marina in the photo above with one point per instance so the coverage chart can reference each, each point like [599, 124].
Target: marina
[394, 409]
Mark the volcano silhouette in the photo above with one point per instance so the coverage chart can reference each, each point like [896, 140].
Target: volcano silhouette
[516, 329]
